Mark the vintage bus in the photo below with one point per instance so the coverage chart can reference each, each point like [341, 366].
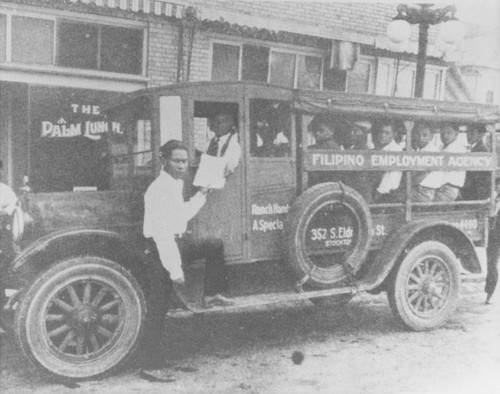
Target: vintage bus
[298, 221]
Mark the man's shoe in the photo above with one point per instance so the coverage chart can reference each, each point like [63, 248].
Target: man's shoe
[157, 375]
[218, 300]
[488, 298]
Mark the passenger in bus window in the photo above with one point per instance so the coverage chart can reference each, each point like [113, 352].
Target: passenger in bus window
[357, 136]
[477, 183]
[270, 125]
[325, 129]
[455, 180]
[270, 141]
[425, 183]
[225, 142]
[390, 180]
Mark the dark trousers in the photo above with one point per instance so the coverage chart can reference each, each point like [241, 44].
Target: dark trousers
[160, 295]
[212, 251]
[493, 254]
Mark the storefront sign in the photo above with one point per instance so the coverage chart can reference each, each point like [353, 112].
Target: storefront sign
[377, 160]
[92, 129]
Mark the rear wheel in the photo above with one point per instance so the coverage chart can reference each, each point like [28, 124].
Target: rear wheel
[81, 319]
[424, 290]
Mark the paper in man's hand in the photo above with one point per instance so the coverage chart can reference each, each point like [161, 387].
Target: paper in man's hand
[211, 172]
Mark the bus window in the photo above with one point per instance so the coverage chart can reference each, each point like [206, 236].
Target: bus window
[269, 128]
[204, 115]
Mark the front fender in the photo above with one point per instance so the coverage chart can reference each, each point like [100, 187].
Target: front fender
[77, 242]
[404, 239]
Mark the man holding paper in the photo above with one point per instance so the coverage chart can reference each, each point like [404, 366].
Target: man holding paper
[223, 153]
[225, 143]
[166, 215]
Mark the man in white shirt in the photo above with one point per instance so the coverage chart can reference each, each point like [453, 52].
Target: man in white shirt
[425, 183]
[390, 179]
[454, 179]
[225, 143]
[166, 215]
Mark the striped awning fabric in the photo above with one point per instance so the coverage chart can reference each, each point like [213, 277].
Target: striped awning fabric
[156, 7]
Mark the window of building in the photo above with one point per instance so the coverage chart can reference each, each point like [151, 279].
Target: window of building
[431, 85]
[404, 84]
[32, 40]
[121, 50]
[360, 77]
[282, 69]
[95, 47]
[225, 62]
[73, 147]
[3, 38]
[490, 96]
[77, 46]
[334, 79]
[398, 79]
[265, 64]
[255, 66]
[309, 72]
[85, 46]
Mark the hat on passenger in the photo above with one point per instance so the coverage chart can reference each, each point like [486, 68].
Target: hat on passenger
[364, 124]
[323, 119]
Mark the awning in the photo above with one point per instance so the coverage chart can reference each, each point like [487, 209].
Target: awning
[157, 7]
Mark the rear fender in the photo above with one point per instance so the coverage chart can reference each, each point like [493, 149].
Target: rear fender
[63, 244]
[405, 238]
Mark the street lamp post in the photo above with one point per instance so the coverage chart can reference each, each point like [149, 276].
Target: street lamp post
[398, 33]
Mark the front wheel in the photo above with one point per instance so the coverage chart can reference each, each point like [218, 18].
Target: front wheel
[81, 318]
[424, 291]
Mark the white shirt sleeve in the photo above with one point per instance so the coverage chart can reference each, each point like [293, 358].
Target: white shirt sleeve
[390, 179]
[8, 199]
[233, 155]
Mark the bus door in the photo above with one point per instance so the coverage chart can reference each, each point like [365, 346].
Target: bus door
[270, 176]
[222, 215]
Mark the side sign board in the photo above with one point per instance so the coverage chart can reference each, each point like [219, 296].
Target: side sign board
[324, 160]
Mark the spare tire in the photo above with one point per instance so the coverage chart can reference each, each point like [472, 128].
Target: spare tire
[327, 234]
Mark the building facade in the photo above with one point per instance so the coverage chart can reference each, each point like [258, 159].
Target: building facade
[60, 61]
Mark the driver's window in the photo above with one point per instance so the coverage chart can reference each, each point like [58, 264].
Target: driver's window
[205, 113]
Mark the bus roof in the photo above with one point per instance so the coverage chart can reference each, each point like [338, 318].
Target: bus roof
[313, 101]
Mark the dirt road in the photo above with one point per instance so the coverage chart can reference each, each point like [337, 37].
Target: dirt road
[361, 351]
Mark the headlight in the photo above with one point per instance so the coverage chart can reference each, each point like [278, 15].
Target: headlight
[17, 224]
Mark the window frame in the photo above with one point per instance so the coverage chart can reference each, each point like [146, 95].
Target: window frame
[386, 87]
[280, 49]
[58, 17]
[372, 63]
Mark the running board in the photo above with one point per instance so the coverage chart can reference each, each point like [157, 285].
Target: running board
[252, 301]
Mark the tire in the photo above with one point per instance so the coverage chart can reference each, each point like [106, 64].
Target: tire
[317, 248]
[424, 290]
[81, 319]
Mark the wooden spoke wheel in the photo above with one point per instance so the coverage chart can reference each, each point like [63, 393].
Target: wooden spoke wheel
[425, 289]
[82, 318]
